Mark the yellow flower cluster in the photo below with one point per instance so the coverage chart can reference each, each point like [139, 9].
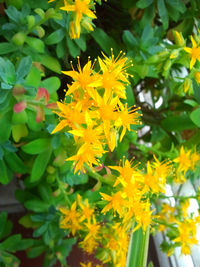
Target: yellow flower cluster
[187, 231]
[194, 52]
[81, 15]
[79, 213]
[186, 160]
[180, 225]
[130, 199]
[96, 113]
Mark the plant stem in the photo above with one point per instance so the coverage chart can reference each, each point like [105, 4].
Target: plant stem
[98, 177]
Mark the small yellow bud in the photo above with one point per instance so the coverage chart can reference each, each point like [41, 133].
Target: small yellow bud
[187, 85]
[197, 76]
[179, 40]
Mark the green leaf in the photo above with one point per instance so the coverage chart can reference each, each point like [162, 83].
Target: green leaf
[40, 165]
[27, 222]
[51, 63]
[25, 243]
[6, 48]
[104, 41]
[15, 163]
[196, 89]
[32, 124]
[35, 43]
[38, 232]
[129, 40]
[144, 3]
[37, 146]
[19, 131]
[9, 260]
[36, 205]
[35, 251]
[81, 42]
[7, 71]
[55, 37]
[195, 117]
[24, 67]
[191, 102]
[130, 96]
[33, 78]
[162, 11]
[19, 117]
[138, 249]
[45, 193]
[177, 4]
[177, 123]
[73, 48]
[3, 173]
[11, 244]
[61, 49]
[13, 13]
[5, 126]
[66, 246]
[52, 84]
[3, 95]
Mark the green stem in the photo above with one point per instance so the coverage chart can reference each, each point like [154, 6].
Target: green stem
[98, 177]
[164, 223]
[60, 186]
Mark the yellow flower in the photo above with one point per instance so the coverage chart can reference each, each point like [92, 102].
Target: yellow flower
[184, 207]
[79, 8]
[83, 78]
[87, 154]
[194, 52]
[126, 118]
[184, 160]
[116, 202]
[195, 157]
[71, 219]
[187, 235]
[89, 245]
[114, 76]
[86, 210]
[93, 227]
[72, 115]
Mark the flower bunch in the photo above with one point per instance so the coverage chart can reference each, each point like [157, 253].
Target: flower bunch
[96, 114]
[186, 160]
[81, 16]
[128, 208]
[180, 226]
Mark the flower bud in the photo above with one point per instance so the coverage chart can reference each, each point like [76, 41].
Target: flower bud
[19, 38]
[178, 37]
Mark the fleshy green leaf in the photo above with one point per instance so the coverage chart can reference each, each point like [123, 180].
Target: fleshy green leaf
[6, 48]
[39, 165]
[24, 67]
[55, 37]
[37, 146]
[51, 63]
[35, 43]
[144, 3]
[163, 13]
[195, 117]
